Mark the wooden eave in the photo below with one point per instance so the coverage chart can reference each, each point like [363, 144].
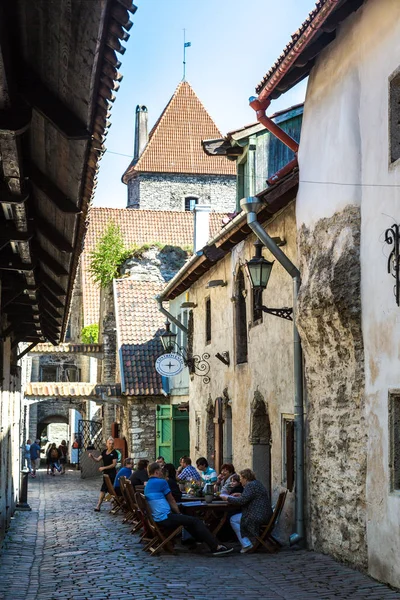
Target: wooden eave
[275, 198]
[57, 84]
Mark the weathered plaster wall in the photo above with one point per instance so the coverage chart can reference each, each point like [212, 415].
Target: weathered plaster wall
[268, 373]
[329, 321]
[164, 191]
[344, 140]
[141, 421]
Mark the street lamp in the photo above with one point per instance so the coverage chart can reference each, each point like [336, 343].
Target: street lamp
[168, 338]
[259, 271]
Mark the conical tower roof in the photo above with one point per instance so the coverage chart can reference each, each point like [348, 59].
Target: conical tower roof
[174, 144]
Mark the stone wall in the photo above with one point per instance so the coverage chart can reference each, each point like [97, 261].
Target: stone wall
[141, 419]
[164, 191]
[329, 321]
[108, 337]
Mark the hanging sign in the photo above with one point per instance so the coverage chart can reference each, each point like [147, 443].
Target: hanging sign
[170, 364]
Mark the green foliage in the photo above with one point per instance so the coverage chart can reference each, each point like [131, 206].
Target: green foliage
[108, 256]
[90, 334]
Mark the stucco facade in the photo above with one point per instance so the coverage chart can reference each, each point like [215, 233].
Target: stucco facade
[256, 396]
[348, 197]
[167, 191]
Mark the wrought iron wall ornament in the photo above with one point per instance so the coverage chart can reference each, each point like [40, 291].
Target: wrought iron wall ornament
[392, 237]
[197, 365]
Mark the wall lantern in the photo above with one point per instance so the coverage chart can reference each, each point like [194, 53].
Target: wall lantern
[259, 271]
[198, 365]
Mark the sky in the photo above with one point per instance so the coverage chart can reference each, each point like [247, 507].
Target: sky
[233, 45]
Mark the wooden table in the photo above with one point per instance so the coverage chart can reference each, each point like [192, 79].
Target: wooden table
[214, 514]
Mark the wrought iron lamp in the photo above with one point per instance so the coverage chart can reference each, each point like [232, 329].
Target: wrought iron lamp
[198, 365]
[259, 271]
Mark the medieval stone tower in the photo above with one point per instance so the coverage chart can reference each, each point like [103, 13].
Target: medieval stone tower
[169, 170]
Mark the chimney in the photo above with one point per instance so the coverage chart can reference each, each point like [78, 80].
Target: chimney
[140, 131]
[201, 226]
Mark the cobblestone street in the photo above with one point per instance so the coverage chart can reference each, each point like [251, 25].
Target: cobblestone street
[64, 550]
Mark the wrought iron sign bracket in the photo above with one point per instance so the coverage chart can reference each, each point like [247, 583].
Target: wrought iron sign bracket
[198, 365]
[392, 237]
[283, 313]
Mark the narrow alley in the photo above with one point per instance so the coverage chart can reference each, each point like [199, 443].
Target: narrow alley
[63, 550]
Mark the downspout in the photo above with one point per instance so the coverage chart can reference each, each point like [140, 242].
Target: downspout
[250, 206]
[169, 316]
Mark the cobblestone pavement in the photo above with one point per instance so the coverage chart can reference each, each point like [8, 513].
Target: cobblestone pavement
[63, 550]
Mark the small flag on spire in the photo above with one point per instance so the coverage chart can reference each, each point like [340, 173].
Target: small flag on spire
[188, 44]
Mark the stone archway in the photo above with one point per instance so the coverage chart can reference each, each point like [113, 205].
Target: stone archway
[260, 440]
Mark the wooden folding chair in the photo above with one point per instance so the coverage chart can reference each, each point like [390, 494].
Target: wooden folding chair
[118, 500]
[136, 518]
[129, 511]
[160, 539]
[265, 538]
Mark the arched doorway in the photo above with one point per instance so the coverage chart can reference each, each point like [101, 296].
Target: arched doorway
[260, 439]
[54, 428]
[227, 431]
[210, 432]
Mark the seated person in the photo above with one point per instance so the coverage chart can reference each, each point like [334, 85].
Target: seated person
[166, 513]
[256, 507]
[161, 461]
[126, 471]
[207, 473]
[224, 478]
[170, 478]
[140, 476]
[188, 473]
[235, 487]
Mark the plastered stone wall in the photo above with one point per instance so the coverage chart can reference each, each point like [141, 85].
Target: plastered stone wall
[329, 321]
[266, 376]
[108, 337]
[141, 415]
[165, 191]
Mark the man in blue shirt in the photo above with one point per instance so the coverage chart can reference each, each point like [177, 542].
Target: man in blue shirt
[188, 472]
[166, 513]
[208, 474]
[126, 471]
[35, 451]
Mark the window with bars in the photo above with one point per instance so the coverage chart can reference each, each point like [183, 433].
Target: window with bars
[241, 319]
[394, 440]
[208, 320]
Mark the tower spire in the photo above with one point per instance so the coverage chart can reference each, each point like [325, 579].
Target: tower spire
[185, 45]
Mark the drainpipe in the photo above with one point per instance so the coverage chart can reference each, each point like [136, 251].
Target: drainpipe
[250, 206]
[169, 316]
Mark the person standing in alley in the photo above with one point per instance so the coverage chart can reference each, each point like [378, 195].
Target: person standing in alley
[34, 451]
[27, 454]
[63, 451]
[109, 457]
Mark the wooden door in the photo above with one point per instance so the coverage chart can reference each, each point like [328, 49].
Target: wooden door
[164, 432]
[180, 434]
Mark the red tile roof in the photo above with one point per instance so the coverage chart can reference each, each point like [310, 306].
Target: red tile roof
[138, 322]
[174, 144]
[137, 227]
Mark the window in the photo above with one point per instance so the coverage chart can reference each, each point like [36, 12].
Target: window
[288, 451]
[208, 320]
[68, 332]
[394, 118]
[190, 202]
[257, 302]
[241, 320]
[49, 373]
[394, 440]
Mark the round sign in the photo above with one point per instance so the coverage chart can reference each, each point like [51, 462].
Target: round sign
[169, 365]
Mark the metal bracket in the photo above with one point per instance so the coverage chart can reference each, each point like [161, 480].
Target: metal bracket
[392, 237]
[283, 313]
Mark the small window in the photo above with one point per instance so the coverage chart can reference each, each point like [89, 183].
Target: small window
[241, 320]
[288, 452]
[394, 118]
[394, 440]
[190, 202]
[208, 320]
[256, 303]
[49, 373]
[68, 332]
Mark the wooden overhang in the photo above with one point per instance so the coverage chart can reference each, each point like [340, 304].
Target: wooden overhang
[275, 198]
[58, 75]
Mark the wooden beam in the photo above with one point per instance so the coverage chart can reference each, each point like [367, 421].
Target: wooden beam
[50, 309]
[51, 316]
[8, 298]
[9, 233]
[52, 263]
[50, 297]
[50, 284]
[28, 349]
[51, 107]
[13, 264]
[7, 331]
[6, 197]
[42, 182]
[52, 235]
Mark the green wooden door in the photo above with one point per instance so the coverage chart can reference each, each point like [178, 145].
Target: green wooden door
[180, 434]
[164, 432]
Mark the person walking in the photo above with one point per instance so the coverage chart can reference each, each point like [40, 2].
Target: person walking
[27, 455]
[109, 457]
[54, 457]
[35, 451]
[63, 451]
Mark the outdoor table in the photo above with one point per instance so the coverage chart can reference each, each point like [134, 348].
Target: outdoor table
[214, 514]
